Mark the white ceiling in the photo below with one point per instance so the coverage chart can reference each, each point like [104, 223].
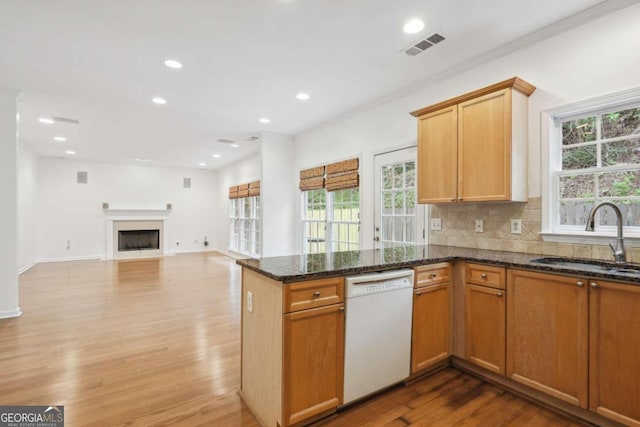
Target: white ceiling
[101, 62]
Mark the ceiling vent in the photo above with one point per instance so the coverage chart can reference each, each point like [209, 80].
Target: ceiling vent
[423, 45]
[225, 141]
[66, 120]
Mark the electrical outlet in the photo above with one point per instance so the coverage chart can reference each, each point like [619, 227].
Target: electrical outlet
[250, 301]
[516, 226]
[436, 224]
[479, 225]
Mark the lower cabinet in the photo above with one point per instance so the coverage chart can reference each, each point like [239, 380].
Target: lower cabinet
[485, 327]
[313, 356]
[431, 330]
[614, 356]
[547, 334]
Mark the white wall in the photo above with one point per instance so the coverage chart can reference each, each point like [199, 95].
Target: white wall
[596, 58]
[9, 210]
[278, 195]
[27, 207]
[241, 172]
[68, 211]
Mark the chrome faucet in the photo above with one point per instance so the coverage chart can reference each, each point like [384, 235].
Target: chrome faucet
[618, 251]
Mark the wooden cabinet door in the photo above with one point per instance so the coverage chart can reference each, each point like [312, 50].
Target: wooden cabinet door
[484, 148]
[313, 362]
[430, 337]
[485, 310]
[547, 334]
[614, 356]
[437, 156]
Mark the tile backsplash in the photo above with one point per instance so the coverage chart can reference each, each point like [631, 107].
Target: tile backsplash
[458, 229]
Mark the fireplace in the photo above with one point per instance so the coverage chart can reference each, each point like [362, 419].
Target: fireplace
[136, 233]
[138, 240]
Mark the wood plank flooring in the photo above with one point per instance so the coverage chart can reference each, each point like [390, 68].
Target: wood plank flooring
[156, 342]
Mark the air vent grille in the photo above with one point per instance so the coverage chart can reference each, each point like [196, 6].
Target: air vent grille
[423, 45]
[186, 183]
[253, 138]
[225, 141]
[83, 177]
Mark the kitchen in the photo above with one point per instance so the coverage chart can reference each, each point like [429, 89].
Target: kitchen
[557, 60]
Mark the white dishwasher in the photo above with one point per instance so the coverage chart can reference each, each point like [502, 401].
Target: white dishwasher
[377, 350]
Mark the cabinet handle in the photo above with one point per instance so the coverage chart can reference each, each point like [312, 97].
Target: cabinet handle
[418, 293]
[499, 294]
[341, 308]
[594, 285]
[453, 199]
[316, 294]
[483, 275]
[459, 199]
[579, 284]
[434, 275]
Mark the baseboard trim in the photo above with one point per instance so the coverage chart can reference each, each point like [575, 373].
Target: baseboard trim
[193, 251]
[549, 402]
[26, 268]
[71, 258]
[7, 314]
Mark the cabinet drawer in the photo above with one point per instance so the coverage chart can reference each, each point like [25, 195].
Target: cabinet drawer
[432, 274]
[485, 275]
[312, 294]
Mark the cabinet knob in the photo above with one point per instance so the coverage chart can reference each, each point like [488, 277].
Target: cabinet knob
[418, 293]
[341, 308]
[316, 294]
[459, 199]
[499, 294]
[594, 285]
[483, 275]
[434, 275]
[453, 199]
[579, 284]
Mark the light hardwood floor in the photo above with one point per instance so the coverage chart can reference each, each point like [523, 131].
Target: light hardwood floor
[157, 342]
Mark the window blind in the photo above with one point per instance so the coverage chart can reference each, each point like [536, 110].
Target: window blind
[312, 179]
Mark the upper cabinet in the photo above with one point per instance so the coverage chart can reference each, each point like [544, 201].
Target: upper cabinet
[473, 148]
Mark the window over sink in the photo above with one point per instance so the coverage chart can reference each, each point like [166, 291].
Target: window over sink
[592, 155]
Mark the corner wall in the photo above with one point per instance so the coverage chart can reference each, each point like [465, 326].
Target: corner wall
[27, 207]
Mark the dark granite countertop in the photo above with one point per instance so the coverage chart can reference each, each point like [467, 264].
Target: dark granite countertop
[305, 267]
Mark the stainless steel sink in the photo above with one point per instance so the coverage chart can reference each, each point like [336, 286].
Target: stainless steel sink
[588, 266]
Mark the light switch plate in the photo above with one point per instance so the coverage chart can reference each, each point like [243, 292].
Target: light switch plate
[516, 226]
[250, 301]
[436, 224]
[479, 225]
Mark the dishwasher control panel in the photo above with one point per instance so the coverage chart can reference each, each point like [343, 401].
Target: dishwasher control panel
[378, 282]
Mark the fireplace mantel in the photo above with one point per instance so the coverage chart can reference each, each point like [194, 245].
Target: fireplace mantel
[135, 214]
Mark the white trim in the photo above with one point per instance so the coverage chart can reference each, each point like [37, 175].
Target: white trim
[70, 258]
[551, 161]
[190, 251]
[26, 268]
[7, 314]
[588, 238]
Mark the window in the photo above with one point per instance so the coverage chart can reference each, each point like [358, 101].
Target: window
[398, 226]
[244, 227]
[594, 156]
[314, 218]
[331, 220]
[344, 221]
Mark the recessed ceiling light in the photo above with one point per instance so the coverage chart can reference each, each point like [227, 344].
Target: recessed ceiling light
[202, 164]
[264, 120]
[46, 120]
[60, 138]
[159, 101]
[172, 63]
[235, 145]
[141, 159]
[302, 96]
[70, 152]
[413, 26]
[216, 156]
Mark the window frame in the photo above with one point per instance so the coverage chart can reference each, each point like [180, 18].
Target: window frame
[551, 166]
